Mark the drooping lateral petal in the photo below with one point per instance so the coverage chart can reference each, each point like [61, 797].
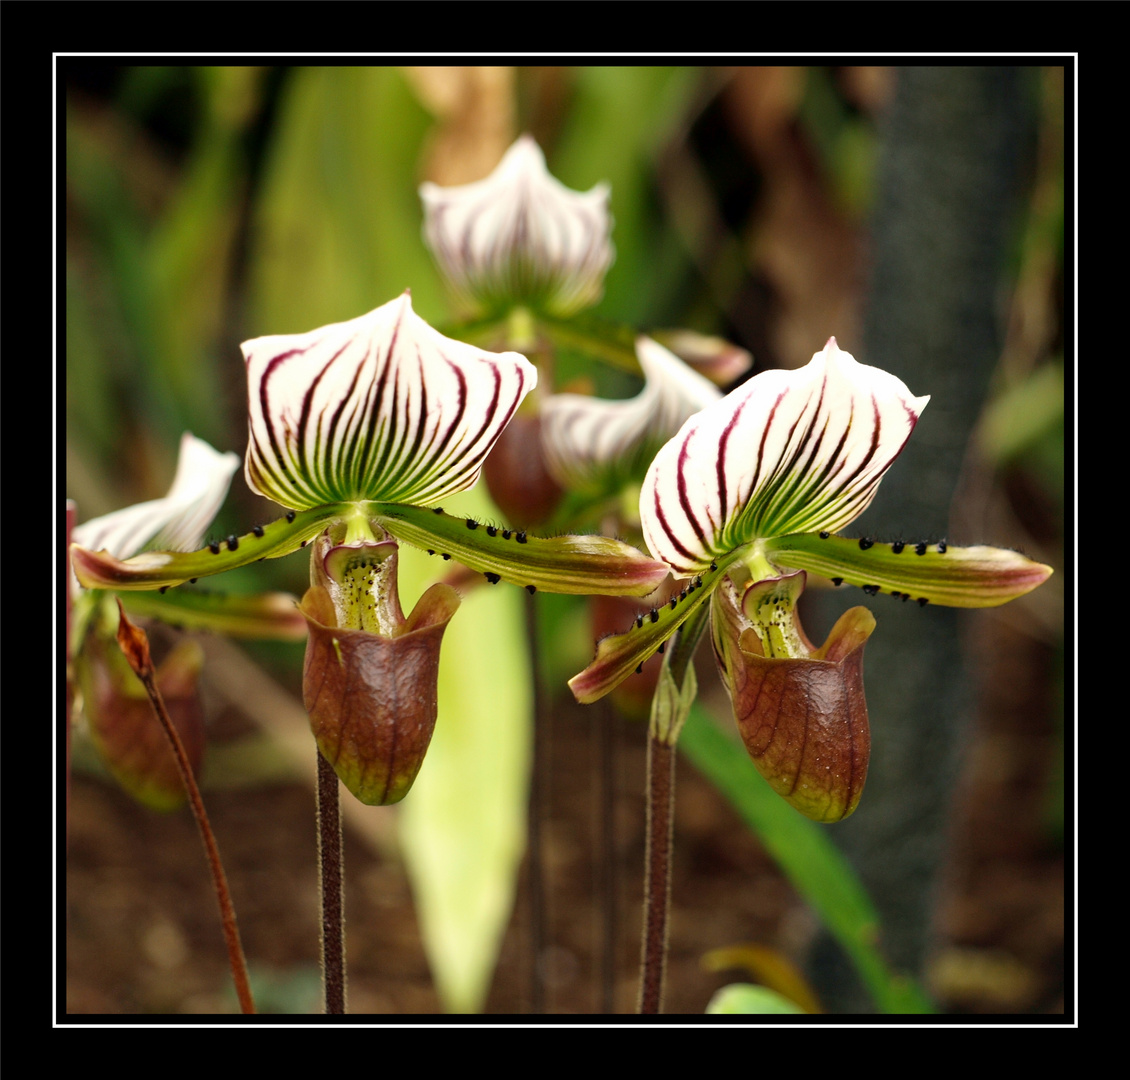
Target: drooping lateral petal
[519, 236]
[579, 565]
[786, 452]
[160, 569]
[594, 446]
[619, 655]
[179, 520]
[381, 407]
[969, 577]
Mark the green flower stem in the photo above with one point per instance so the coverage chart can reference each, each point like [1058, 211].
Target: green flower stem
[135, 645]
[610, 342]
[674, 696]
[331, 870]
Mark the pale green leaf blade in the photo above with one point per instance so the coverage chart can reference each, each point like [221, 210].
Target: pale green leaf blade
[463, 826]
[745, 998]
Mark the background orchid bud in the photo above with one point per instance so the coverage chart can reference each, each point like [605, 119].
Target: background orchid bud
[122, 724]
[803, 718]
[519, 236]
[371, 693]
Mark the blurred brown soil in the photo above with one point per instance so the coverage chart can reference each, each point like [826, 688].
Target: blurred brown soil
[142, 934]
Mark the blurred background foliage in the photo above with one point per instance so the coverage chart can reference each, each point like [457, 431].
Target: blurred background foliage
[208, 205]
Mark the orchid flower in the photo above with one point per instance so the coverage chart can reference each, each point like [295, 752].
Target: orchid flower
[595, 447]
[741, 504]
[359, 429]
[117, 709]
[520, 237]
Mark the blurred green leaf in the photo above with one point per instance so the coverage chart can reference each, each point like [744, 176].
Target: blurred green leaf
[747, 998]
[807, 857]
[1024, 415]
[338, 221]
[618, 120]
[463, 825]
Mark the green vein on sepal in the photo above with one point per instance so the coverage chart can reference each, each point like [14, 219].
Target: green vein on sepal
[581, 565]
[158, 569]
[970, 577]
[263, 616]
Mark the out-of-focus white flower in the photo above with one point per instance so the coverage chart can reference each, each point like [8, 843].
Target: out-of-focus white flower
[179, 520]
[520, 237]
[594, 446]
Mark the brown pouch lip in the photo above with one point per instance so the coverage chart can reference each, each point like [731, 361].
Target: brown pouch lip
[803, 720]
[371, 698]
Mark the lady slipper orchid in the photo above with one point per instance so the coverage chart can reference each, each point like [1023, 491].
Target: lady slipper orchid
[177, 521]
[595, 447]
[116, 707]
[359, 428]
[369, 423]
[520, 237]
[749, 492]
[369, 682]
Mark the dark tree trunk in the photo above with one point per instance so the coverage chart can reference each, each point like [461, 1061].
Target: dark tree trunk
[954, 150]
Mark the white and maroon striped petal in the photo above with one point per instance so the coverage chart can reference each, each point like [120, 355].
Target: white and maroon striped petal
[519, 236]
[593, 446]
[787, 452]
[179, 520]
[380, 408]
